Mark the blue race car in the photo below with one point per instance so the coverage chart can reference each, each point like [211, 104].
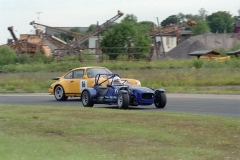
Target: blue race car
[121, 93]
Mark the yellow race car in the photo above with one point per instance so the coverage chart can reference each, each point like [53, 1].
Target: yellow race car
[76, 80]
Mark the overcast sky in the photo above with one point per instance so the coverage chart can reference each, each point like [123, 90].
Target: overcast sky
[82, 13]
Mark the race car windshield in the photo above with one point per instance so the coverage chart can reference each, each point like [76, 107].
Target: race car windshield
[92, 72]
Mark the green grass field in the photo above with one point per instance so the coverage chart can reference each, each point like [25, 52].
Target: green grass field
[69, 133]
[52, 132]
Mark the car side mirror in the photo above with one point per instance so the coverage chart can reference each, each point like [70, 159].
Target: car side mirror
[85, 77]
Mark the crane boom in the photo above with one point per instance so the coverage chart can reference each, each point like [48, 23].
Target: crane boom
[75, 44]
[100, 28]
[74, 34]
[12, 33]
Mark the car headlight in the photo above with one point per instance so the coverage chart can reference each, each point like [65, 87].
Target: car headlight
[138, 83]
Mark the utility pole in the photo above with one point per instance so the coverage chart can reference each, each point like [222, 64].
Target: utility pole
[160, 33]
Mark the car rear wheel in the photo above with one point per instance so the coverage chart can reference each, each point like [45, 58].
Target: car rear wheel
[86, 101]
[59, 93]
[160, 99]
[123, 100]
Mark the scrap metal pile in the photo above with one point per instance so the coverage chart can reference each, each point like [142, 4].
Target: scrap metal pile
[30, 43]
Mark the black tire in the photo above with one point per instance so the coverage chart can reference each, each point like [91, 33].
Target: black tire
[123, 100]
[86, 99]
[59, 93]
[160, 100]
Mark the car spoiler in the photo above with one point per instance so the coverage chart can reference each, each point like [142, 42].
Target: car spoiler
[55, 78]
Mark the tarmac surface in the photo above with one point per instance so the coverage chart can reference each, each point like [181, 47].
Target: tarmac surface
[205, 104]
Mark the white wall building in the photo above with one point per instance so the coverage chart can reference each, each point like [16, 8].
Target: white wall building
[169, 42]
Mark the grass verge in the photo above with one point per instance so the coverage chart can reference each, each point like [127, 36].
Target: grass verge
[185, 80]
[50, 132]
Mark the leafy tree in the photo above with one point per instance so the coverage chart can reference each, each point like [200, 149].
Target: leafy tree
[128, 33]
[130, 18]
[173, 19]
[181, 17]
[220, 22]
[200, 28]
[193, 17]
[91, 28]
[148, 25]
[202, 13]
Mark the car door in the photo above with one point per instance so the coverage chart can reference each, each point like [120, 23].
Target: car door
[77, 83]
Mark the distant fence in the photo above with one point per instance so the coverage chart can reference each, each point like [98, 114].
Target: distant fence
[108, 54]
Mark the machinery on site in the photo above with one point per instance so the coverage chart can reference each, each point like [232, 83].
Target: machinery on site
[28, 43]
[12, 33]
[73, 34]
[46, 44]
[75, 45]
[51, 38]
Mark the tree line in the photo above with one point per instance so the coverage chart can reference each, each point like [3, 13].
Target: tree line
[218, 22]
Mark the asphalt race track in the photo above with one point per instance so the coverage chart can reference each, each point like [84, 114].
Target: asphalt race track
[209, 104]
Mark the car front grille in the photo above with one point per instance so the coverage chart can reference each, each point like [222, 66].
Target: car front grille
[147, 96]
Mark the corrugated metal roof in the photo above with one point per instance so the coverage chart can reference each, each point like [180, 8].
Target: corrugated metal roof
[203, 52]
[233, 52]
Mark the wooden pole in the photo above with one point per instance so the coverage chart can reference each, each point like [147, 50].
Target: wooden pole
[160, 34]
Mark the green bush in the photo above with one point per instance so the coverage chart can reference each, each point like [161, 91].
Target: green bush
[23, 58]
[7, 55]
[198, 63]
[40, 58]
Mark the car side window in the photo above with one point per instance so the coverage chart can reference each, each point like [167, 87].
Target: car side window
[69, 75]
[90, 74]
[78, 73]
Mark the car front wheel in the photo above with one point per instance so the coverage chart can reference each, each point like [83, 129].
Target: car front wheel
[86, 101]
[59, 93]
[160, 99]
[123, 100]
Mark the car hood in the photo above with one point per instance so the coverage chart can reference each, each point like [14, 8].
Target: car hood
[142, 89]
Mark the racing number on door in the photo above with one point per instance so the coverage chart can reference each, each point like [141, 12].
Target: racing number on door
[83, 85]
